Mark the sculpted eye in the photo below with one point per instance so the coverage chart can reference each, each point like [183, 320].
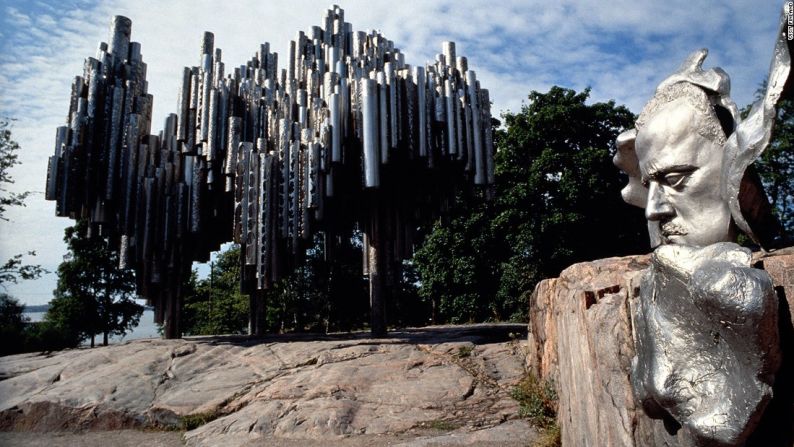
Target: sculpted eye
[676, 179]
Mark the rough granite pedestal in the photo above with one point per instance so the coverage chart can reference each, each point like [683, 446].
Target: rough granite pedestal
[580, 338]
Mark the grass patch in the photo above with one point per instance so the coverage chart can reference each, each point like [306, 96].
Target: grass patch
[440, 425]
[191, 421]
[550, 437]
[537, 402]
[465, 351]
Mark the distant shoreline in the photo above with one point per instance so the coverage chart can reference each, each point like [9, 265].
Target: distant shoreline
[45, 307]
[37, 308]
[146, 328]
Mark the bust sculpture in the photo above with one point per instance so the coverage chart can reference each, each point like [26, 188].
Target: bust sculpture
[705, 323]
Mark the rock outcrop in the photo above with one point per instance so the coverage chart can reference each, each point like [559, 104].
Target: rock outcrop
[313, 388]
[580, 339]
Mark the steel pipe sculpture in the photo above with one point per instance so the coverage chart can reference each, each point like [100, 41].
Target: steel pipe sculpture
[346, 134]
[705, 321]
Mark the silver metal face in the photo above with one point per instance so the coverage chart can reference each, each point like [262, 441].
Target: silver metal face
[682, 169]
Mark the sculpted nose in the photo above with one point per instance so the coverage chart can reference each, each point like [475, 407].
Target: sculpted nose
[658, 207]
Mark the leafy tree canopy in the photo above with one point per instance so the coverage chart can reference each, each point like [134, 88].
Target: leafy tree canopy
[557, 202]
[13, 270]
[93, 296]
[776, 165]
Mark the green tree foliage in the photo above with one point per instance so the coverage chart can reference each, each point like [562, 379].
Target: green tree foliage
[776, 166]
[15, 329]
[8, 159]
[346, 289]
[12, 324]
[13, 269]
[318, 297]
[458, 265]
[557, 202]
[215, 305]
[19, 334]
[93, 296]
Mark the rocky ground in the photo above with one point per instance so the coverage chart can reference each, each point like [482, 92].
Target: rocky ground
[444, 386]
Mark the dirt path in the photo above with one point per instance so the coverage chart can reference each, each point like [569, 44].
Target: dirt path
[512, 434]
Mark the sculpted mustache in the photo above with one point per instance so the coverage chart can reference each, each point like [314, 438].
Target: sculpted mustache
[670, 228]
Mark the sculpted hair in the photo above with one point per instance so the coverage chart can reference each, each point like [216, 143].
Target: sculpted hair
[695, 96]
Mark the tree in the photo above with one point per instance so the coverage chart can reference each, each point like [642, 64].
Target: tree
[19, 334]
[318, 297]
[215, 305]
[93, 296]
[8, 159]
[455, 264]
[13, 269]
[557, 202]
[776, 165]
[12, 324]
[558, 192]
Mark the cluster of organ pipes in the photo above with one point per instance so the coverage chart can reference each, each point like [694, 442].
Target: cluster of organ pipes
[347, 135]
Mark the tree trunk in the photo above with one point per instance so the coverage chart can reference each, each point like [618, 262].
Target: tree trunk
[92, 340]
[104, 339]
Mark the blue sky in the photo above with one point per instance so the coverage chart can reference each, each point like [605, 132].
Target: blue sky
[620, 49]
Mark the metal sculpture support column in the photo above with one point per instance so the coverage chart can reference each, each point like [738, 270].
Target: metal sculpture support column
[376, 272]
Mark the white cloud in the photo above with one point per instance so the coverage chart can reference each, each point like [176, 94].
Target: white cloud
[621, 50]
[18, 17]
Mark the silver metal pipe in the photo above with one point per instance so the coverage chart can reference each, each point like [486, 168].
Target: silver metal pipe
[129, 174]
[336, 131]
[448, 49]
[263, 221]
[421, 105]
[460, 123]
[370, 153]
[207, 43]
[467, 130]
[485, 101]
[294, 190]
[246, 149]
[384, 117]
[50, 192]
[333, 58]
[285, 145]
[344, 109]
[313, 178]
[94, 82]
[235, 132]
[183, 105]
[211, 145]
[291, 66]
[480, 177]
[388, 70]
[114, 140]
[204, 99]
[77, 123]
[251, 207]
[462, 65]
[449, 98]
[217, 72]
[120, 30]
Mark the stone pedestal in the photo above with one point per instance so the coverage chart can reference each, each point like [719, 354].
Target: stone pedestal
[580, 338]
